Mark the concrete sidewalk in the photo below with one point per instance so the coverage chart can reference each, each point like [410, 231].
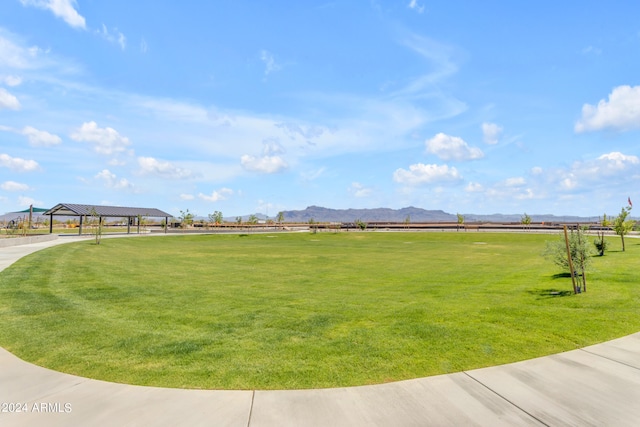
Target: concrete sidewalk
[594, 386]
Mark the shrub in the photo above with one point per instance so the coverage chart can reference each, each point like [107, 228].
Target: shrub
[556, 251]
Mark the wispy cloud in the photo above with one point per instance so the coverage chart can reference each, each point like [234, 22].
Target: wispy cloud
[491, 133]
[40, 138]
[14, 186]
[17, 56]
[8, 100]
[358, 190]
[270, 64]
[113, 36]
[414, 5]
[440, 56]
[591, 50]
[12, 80]
[64, 9]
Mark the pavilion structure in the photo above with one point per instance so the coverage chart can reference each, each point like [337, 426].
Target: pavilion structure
[133, 215]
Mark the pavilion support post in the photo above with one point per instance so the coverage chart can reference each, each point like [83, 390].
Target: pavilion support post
[51, 224]
[128, 225]
[166, 224]
[80, 228]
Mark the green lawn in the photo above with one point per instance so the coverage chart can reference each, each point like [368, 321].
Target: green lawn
[306, 310]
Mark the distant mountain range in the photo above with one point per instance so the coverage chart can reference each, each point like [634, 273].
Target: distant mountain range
[320, 214]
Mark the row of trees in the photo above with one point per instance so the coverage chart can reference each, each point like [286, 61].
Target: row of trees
[187, 219]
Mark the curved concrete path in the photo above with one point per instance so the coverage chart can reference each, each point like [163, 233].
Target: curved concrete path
[593, 386]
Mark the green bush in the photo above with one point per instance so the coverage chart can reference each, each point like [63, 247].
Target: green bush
[581, 253]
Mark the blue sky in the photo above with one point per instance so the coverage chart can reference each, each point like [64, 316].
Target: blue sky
[244, 106]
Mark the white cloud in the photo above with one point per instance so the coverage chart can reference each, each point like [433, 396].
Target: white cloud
[536, 170]
[503, 191]
[617, 161]
[420, 173]
[515, 182]
[610, 170]
[113, 36]
[8, 101]
[270, 64]
[491, 133]
[610, 165]
[16, 55]
[414, 5]
[265, 164]
[164, 169]
[64, 9]
[218, 195]
[452, 148]
[28, 201]
[187, 196]
[106, 141]
[569, 182]
[111, 180]
[14, 186]
[12, 80]
[40, 138]
[621, 112]
[474, 187]
[358, 190]
[144, 47]
[18, 164]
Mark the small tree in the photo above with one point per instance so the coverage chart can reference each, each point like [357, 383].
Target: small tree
[280, 218]
[361, 224]
[216, 218]
[142, 222]
[96, 221]
[622, 225]
[600, 243]
[580, 250]
[253, 219]
[460, 221]
[526, 221]
[407, 221]
[186, 218]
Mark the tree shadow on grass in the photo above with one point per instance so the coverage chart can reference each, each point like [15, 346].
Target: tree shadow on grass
[550, 293]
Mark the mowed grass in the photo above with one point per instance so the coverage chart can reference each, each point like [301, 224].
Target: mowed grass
[287, 311]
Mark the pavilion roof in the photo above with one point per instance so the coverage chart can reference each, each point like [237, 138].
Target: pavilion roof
[72, 209]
